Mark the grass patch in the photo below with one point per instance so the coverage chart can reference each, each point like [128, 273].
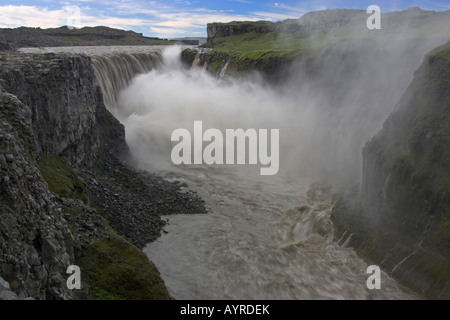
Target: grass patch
[61, 178]
[116, 270]
[74, 211]
[442, 52]
[256, 45]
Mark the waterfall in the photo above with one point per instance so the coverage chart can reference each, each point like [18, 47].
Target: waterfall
[224, 69]
[114, 71]
[196, 61]
[263, 238]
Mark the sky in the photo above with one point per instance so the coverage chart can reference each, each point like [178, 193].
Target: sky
[177, 18]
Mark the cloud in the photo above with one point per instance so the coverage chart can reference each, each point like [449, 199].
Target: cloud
[173, 32]
[31, 16]
[273, 16]
[152, 18]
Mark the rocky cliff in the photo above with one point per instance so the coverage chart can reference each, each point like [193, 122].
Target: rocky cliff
[403, 220]
[48, 106]
[65, 196]
[61, 93]
[36, 244]
[220, 30]
[315, 21]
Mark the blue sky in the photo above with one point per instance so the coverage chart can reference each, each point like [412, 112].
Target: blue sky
[176, 18]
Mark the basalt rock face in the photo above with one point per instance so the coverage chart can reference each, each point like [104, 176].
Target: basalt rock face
[219, 30]
[35, 241]
[66, 188]
[49, 105]
[61, 92]
[404, 218]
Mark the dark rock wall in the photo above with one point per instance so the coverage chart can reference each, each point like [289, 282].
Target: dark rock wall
[35, 243]
[49, 104]
[219, 30]
[404, 222]
[62, 93]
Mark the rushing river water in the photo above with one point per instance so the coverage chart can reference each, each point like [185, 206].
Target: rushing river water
[251, 247]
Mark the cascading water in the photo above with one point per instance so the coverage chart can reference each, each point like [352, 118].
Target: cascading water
[264, 237]
[115, 71]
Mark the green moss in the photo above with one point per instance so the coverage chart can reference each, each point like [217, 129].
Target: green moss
[190, 52]
[254, 45]
[439, 272]
[442, 52]
[73, 211]
[116, 270]
[443, 234]
[405, 157]
[273, 42]
[216, 64]
[61, 178]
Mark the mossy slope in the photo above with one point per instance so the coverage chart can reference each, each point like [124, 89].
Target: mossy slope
[116, 270]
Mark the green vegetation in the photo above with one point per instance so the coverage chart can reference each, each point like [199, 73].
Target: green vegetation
[61, 178]
[74, 211]
[116, 270]
[442, 52]
[255, 45]
[266, 47]
[443, 234]
[284, 39]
